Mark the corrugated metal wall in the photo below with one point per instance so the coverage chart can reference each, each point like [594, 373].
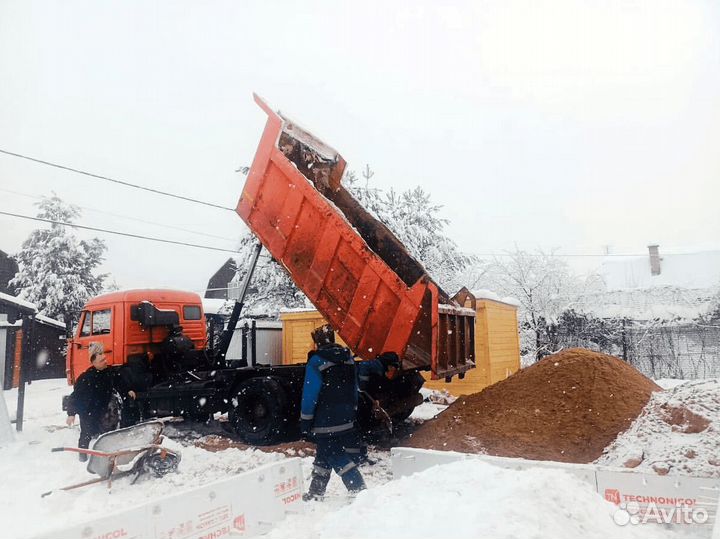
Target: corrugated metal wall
[268, 343]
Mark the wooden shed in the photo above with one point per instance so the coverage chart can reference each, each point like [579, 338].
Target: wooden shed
[497, 348]
[497, 344]
[296, 328]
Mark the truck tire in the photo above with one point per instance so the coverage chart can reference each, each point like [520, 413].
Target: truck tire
[259, 411]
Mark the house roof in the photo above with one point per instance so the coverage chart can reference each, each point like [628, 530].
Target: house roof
[30, 308]
[220, 279]
[699, 270]
[17, 302]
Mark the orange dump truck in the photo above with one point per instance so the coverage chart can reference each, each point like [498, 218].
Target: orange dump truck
[350, 265]
[356, 272]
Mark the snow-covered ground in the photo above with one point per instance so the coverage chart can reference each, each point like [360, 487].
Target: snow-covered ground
[463, 499]
[472, 499]
[28, 468]
[669, 383]
[678, 432]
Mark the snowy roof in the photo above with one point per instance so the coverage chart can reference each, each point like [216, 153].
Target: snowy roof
[32, 308]
[18, 302]
[492, 296]
[49, 321]
[213, 305]
[662, 302]
[691, 270]
[260, 324]
[298, 310]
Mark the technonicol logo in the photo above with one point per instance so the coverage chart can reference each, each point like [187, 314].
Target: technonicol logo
[655, 509]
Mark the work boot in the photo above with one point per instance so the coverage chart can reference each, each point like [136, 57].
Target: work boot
[353, 480]
[82, 457]
[318, 484]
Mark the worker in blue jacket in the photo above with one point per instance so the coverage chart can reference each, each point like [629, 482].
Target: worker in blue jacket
[329, 409]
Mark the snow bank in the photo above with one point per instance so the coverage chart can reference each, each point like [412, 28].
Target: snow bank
[677, 433]
[670, 383]
[474, 499]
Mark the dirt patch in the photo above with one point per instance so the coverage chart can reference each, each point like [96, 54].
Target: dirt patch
[683, 419]
[299, 448]
[567, 407]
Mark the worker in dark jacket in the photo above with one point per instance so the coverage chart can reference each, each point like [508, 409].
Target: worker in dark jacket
[385, 365]
[329, 410]
[92, 395]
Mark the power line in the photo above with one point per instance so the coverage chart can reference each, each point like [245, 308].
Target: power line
[113, 180]
[104, 212]
[127, 234]
[603, 255]
[210, 204]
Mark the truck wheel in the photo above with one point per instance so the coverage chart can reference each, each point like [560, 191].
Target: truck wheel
[259, 412]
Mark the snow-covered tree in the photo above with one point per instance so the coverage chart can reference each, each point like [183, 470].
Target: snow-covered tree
[416, 221]
[271, 288]
[411, 216]
[55, 267]
[545, 288]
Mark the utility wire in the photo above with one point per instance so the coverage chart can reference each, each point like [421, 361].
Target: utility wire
[603, 255]
[127, 234]
[113, 180]
[212, 205]
[103, 212]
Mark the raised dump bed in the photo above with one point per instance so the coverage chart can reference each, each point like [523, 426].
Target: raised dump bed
[350, 265]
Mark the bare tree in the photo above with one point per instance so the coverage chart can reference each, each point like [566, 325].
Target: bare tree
[545, 288]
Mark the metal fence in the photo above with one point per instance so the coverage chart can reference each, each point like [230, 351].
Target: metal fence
[658, 349]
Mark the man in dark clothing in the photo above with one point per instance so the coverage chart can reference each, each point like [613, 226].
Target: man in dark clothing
[92, 395]
[329, 410]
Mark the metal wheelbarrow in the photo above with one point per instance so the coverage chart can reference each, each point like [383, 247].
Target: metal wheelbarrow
[132, 451]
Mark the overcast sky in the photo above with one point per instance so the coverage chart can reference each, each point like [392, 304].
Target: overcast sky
[566, 124]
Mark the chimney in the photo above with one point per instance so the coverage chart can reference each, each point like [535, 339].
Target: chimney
[655, 259]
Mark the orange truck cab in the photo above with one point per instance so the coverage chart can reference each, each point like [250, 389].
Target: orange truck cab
[108, 319]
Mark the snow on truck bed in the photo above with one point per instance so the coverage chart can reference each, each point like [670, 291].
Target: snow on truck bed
[462, 499]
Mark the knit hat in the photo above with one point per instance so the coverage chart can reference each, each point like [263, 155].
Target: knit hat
[323, 335]
[95, 349]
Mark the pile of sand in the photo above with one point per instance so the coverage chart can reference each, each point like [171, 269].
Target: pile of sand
[567, 407]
